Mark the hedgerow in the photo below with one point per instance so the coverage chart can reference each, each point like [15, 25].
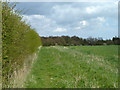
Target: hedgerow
[0, 45]
[18, 41]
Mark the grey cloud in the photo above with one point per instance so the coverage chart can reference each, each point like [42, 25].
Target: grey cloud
[47, 17]
[67, 14]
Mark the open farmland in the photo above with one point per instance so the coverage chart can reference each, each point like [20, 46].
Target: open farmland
[75, 67]
[59, 45]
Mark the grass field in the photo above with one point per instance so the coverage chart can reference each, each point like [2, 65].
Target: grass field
[75, 67]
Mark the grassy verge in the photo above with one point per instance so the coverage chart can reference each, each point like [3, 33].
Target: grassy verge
[66, 67]
[19, 76]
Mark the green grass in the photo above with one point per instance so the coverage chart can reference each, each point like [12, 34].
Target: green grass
[109, 52]
[106, 51]
[74, 67]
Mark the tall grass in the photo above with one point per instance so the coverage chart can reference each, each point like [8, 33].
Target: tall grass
[19, 40]
[69, 67]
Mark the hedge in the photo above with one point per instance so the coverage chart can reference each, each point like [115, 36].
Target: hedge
[18, 41]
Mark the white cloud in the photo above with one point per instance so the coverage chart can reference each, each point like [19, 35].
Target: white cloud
[60, 30]
[116, 2]
[65, 14]
[84, 23]
[42, 24]
[78, 28]
[35, 17]
[101, 19]
[38, 16]
[73, 18]
[91, 9]
[38, 20]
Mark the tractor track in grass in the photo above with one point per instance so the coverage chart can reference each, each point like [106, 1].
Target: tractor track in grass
[61, 67]
[89, 58]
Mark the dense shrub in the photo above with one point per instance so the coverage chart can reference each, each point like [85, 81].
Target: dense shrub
[19, 40]
[0, 26]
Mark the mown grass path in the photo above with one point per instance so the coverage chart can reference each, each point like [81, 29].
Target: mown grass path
[70, 67]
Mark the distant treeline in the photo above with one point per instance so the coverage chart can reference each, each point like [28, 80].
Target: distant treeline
[76, 41]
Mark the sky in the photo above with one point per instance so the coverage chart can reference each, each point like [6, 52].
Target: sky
[82, 19]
